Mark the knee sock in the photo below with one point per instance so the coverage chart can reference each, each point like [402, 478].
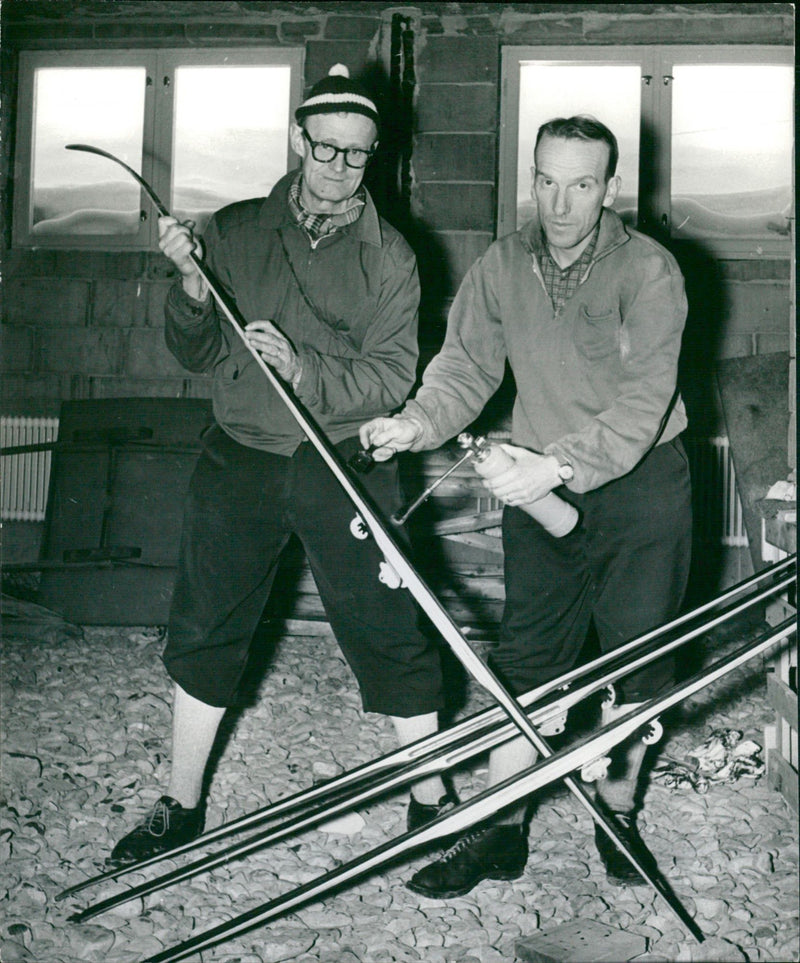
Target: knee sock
[618, 789]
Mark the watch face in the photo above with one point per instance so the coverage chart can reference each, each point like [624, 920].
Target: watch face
[566, 472]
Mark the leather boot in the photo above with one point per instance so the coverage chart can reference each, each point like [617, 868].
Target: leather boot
[618, 867]
[167, 826]
[493, 852]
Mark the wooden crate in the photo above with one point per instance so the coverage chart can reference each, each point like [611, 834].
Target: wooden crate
[780, 738]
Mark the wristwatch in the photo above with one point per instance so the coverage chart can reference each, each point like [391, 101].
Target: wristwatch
[566, 472]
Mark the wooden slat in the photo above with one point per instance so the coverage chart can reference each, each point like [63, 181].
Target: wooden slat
[479, 585]
[782, 777]
[470, 522]
[781, 698]
[485, 613]
[487, 543]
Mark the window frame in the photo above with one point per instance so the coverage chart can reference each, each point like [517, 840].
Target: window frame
[656, 62]
[158, 139]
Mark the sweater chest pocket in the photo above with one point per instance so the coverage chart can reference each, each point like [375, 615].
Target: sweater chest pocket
[597, 335]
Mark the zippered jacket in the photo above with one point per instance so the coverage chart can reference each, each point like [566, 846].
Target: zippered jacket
[595, 380]
[359, 361]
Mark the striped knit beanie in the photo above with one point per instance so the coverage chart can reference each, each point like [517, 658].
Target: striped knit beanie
[337, 93]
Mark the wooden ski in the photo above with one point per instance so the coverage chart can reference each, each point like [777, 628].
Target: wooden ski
[558, 766]
[474, 726]
[476, 735]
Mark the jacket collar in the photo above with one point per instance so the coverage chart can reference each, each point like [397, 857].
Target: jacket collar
[612, 234]
[275, 213]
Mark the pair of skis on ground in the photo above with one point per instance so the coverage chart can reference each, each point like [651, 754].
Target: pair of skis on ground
[547, 706]
[557, 766]
[451, 747]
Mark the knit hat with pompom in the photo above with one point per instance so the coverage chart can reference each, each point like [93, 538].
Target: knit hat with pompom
[337, 93]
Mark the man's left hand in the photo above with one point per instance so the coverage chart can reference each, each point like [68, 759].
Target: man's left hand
[275, 348]
[529, 478]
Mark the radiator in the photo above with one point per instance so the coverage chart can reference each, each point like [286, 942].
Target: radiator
[24, 478]
[718, 516]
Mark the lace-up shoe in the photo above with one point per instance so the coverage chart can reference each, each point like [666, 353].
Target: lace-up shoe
[167, 825]
[420, 814]
[494, 852]
[618, 867]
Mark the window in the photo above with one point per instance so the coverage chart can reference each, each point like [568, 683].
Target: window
[705, 136]
[203, 128]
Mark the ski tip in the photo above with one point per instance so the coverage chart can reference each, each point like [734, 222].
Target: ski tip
[109, 874]
[72, 890]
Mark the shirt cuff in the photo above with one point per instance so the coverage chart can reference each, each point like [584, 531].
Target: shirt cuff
[297, 377]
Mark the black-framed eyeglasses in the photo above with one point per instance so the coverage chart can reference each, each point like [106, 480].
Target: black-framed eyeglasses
[354, 157]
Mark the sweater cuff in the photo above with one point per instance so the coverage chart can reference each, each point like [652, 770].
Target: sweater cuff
[414, 412]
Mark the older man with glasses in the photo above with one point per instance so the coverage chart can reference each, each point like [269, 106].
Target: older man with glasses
[333, 293]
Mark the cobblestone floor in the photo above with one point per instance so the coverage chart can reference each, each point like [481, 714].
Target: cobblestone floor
[86, 725]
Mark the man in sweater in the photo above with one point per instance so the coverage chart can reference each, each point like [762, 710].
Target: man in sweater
[589, 315]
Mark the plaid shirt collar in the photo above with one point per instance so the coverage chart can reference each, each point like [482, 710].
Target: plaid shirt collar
[318, 225]
[562, 284]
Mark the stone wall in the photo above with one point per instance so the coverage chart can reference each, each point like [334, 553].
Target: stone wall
[89, 325]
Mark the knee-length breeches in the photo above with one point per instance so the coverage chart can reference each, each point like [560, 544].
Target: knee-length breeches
[242, 507]
[625, 568]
